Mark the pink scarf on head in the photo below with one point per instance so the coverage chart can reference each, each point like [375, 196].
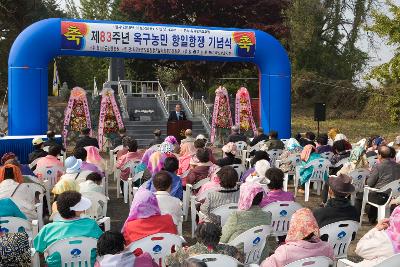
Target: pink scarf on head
[187, 149]
[307, 150]
[302, 224]
[214, 179]
[144, 205]
[247, 193]
[393, 231]
[93, 156]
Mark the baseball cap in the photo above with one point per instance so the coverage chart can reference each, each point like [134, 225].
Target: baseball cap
[37, 141]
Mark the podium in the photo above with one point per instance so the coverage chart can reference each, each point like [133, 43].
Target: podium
[177, 128]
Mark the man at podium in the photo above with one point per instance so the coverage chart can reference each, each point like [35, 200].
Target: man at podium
[178, 114]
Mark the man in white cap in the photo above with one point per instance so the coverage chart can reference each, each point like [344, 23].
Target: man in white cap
[73, 170]
[38, 151]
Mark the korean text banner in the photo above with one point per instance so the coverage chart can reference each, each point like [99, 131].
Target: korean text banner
[149, 39]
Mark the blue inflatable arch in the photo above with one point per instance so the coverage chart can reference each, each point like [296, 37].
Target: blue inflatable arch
[38, 44]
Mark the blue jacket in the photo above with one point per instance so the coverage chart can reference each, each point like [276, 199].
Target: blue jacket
[176, 188]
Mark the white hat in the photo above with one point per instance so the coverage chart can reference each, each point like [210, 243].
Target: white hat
[72, 165]
[82, 205]
[37, 141]
[201, 136]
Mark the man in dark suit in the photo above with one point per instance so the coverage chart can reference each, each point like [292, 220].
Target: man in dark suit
[382, 174]
[260, 136]
[236, 136]
[178, 114]
[86, 140]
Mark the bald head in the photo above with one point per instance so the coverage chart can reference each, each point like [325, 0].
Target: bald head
[384, 152]
[188, 133]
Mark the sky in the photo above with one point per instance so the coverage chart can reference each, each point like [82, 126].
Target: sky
[378, 51]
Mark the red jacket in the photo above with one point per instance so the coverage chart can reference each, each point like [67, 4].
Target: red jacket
[141, 228]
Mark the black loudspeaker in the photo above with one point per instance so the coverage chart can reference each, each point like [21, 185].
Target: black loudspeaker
[319, 112]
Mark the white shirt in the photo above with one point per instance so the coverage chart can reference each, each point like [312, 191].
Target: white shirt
[78, 178]
[169, 205]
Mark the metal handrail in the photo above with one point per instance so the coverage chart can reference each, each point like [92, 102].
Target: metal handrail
[163, 98]
[123, 101]
[184, 94]
[205, 113]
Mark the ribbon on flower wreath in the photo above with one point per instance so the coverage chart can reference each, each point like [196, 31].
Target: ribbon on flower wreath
[222, 117]
[77, 94]
[243, 113]
[107, 98]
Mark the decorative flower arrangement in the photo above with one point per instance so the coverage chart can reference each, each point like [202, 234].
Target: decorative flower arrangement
[243, 113]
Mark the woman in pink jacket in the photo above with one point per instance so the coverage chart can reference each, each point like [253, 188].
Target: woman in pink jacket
[302, 241]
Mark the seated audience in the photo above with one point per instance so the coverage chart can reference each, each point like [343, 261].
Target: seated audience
[51, 140]
[381, 174]
[275, 186]
[248, 215]
[302, 241]
[357, 160]
[73, 170]
[322, 144]
[93, 156]
[212, 185]
[381, 242]
[92, 184]
[11, 158]
[132, 155]
[145, 218]
[157, 138]
[340, 152]
[208, 242]
[201, 169]
[85, 140]
[171, 166]
[38, 151]
[228, 192]
[372, 145]
[61, 186]
[308, 154]
[117, 141]
[157, 158]
[188, 137]
[273, 142]
[51, 159]
[308, 139]
[259, 136]
[81, 153]
[200, 142]
[258, 155]
[11, 186]
[236, 136]
[168, 204]
[340, 137]
[292, 148]
[71, 205]
[110, 253]
[8, 208]
[258, 176]
[338, 207]
[15, 250]
[229, 150]
[187, 151]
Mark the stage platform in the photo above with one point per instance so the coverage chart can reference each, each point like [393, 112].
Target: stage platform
[20, 145]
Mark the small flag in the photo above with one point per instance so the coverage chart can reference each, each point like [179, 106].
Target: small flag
[56, 80]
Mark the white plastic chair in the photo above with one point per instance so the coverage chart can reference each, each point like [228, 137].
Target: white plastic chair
[358, 177]
[240, 146]
[158, 246]
[384, 209]
[74, 251]
[131, 165]
[224, 211]
[340, 163]
[16, 225]
[274, 155]
[187, 195]
[392, 261]
[49, 175]
[327, 155]
[372, 161]
[320, 168]
[239, 168]
[98, 210]
[254, 241]
[217, 260]
[131, 189]
[113, 160]
[320, 261]
[282, 212]
[339, 236]
[36, 188]
[294, 161]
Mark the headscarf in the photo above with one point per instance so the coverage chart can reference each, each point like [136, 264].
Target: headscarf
[393, 231]
[187, 149]
[65, 184]
[261, 168]
[293, 144]
[147, 155]
[332, 133]
[93, 156]
[247, 193]
[307, 150]
[144, 205]
[171, 139]
[166, 147]
[302, 224]
[16, 171]
[156, 160]
[356, 154]
[339, 137]
[7, 156]
[214, 180]
[230, 148]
